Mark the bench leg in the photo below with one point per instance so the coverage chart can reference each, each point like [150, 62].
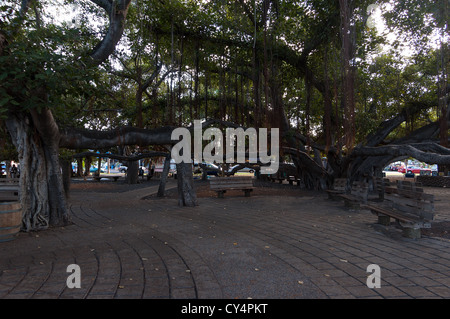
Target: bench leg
[384, 220]
[350, 204]
[334, 197]
[220, 194]
[410, 232]
[247, 192]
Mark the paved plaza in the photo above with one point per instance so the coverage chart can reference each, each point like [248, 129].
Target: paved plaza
[275, 247]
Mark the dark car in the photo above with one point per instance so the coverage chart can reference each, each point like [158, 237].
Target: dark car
[242, 170]
[211, 169]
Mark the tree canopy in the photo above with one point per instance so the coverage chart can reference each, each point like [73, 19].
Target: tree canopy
[83, 71]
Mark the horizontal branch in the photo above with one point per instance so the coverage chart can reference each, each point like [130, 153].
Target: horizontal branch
[75, 138]
[422, 152]
[122, 157]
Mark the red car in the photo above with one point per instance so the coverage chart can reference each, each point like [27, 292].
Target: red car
[413, 169]
[401, 169]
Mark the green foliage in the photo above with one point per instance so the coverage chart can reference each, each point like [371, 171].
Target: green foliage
[216, 51]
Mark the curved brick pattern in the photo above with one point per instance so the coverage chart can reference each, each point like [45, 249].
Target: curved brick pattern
[237, 247]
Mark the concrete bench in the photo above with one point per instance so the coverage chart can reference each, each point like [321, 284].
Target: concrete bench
[357, 196]
[411, 208]
[339, 187]
[379, 185]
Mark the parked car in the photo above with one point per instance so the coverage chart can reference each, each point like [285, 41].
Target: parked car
[122, 168]
[396, 167]
[434, 170]
[212, 169]
[244, 169]
[413, 169]
[196, 168]
[95, 169]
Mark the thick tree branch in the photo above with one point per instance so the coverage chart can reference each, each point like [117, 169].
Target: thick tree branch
[384, 129]
[306, 161]
[74, 138]
[122, 157]
[105, 4]
[407, 150]
[117, 13]
[149, 81]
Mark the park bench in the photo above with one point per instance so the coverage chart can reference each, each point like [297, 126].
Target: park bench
[9, 189]
[339, 187]
[408, 205]
[292, 179]
[277, 177]
[390, 188]
[114, 177]
[222, 184]
[9, 180]
[357, 196]
[9, 193]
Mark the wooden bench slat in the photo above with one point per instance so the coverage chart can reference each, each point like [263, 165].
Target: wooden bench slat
[9, 192]
[9, 180]
[232, 183]
[393, 214]
[218, 187]
[233, 188]
[222, 184]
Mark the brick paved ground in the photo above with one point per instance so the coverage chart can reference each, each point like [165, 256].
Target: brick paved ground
[258, 247]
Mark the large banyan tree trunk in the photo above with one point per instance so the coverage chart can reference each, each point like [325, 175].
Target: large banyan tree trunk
[41, 184]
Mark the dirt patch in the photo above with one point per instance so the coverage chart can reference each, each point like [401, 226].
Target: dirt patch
[438, 229]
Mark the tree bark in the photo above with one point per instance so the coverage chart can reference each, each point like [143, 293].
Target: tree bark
[66, 169]
[164, 175]
[41, 186]
[133, 172]
[348, 74]
[186, 189]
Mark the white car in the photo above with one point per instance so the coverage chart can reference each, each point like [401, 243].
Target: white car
[122, 168]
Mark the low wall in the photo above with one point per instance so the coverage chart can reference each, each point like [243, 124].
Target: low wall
[437, 181]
